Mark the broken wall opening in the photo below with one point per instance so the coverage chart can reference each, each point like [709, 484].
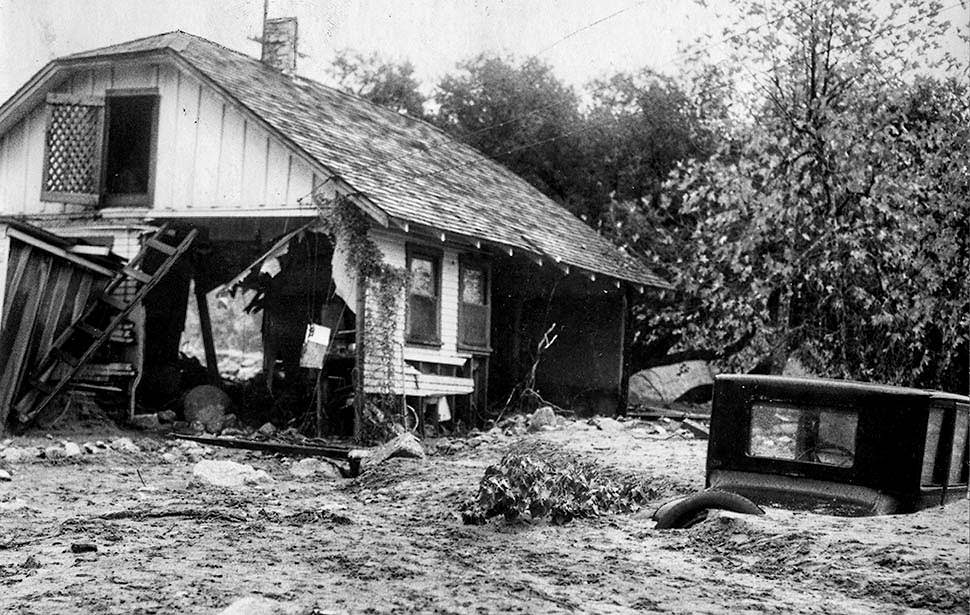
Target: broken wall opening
[262, 285]
[582, 370]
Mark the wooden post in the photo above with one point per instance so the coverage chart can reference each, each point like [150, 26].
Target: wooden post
[626, 344]
[360, 358]
[205, 323]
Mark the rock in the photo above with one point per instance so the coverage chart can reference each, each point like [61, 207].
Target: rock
[207, 405]
[14, 454]
[669, 382]
[124, 445]
[83, 547]
[53, 452]
[312, 466]
[197, 427]
[169, 457]
[90, 448]
[542, 418]
[232, 431]
[230, 421]
[605, 423]
[194, 450]
[167, 416]
[254, 605]
[405, 445]
[147, 422]
[71, 449]
[268, 429]
[224, 473]
[5, 476]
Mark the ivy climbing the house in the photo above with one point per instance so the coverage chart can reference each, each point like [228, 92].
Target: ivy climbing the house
[384, 282]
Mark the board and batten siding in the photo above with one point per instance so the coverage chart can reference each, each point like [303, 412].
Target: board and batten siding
[209, 156]
[394, 247]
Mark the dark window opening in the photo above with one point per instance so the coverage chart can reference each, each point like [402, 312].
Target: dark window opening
[129, 152]
[423, 293]
[473, 312]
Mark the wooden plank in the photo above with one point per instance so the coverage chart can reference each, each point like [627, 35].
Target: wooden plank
[15, 339]
[208, 137]
[4, 268]
[293, 450]
[57, 251]
[54, 308]
[19, 257]
[205, 323]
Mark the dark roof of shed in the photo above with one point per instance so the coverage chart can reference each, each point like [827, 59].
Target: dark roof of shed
[408, 168]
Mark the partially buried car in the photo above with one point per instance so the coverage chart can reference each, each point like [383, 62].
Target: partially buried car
[828, 446]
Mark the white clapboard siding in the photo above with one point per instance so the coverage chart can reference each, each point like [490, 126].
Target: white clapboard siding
[394, 247]
[209, 154]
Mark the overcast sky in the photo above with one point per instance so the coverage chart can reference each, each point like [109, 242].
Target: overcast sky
[433, 34]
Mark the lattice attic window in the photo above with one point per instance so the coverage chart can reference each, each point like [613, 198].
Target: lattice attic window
[72, 158]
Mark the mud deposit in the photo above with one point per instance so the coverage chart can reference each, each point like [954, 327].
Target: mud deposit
[392, 541]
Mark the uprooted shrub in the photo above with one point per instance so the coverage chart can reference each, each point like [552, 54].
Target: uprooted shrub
[538, 480]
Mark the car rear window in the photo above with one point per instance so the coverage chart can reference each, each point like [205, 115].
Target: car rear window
[806, 434]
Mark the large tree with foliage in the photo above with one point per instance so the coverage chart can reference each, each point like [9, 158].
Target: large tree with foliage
[519, 113]
[832, 222]
[379, 80]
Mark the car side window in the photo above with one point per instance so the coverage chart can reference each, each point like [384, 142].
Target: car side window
[958, 454]
[934, 426]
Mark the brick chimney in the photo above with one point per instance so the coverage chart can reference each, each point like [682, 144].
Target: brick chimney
[279, 44]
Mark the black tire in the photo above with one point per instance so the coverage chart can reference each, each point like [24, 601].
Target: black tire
[693, 509]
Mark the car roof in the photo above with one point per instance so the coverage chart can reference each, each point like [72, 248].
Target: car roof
[849, 386]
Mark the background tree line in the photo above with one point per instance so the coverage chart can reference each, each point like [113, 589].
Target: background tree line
[809, 196]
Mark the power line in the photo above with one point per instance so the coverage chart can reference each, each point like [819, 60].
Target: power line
[451, 141]
[484, 159]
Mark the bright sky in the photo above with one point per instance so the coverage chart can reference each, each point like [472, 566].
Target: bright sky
[433, 34]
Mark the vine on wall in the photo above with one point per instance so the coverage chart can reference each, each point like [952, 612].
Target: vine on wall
[385, 283]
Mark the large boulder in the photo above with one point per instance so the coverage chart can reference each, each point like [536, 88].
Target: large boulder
[668, 383]
[207, 405]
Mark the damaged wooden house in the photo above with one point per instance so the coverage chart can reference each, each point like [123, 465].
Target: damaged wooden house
[435, 271]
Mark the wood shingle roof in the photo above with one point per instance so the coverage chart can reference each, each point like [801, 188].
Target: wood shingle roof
[408, 168]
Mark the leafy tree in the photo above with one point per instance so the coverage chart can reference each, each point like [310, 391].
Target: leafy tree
[833, 224]
[380, 81]
[520, 114]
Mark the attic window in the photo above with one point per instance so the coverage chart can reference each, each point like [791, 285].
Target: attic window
[100, 151]
[130, 147]
[129, 152]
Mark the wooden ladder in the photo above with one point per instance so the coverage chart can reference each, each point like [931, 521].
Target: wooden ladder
[82, 338]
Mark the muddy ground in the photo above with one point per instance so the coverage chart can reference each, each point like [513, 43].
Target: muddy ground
[392, 540]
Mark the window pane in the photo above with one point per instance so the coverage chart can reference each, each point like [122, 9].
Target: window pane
[473, 286]
[422, 277]
[813, 435]
[422, 318]
[933, 426]
[959, 445]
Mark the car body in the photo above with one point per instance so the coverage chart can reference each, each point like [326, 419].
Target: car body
[837, 447]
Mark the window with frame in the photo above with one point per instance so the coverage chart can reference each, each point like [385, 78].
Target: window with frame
[424, 292]
[803, 433]
[100, 150]
[473, 304]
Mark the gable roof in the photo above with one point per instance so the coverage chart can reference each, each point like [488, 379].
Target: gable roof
[409, 169]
